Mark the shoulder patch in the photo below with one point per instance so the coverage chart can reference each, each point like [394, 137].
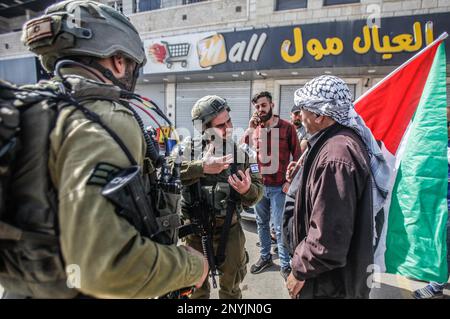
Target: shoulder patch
[102, 174]
[254, 168]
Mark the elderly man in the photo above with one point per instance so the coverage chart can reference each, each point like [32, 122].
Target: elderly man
[343, 178]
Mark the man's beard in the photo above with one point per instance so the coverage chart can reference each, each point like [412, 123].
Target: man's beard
[129, 79]
[297, 123]
[268, 116]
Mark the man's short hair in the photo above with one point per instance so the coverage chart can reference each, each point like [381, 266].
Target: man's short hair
[260, 95]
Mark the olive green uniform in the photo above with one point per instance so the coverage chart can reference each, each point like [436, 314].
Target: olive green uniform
[234, 268]
[114, 259]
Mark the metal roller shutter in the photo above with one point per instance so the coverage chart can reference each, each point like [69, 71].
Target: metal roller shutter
[155, 92]
[19, 71]
[287, 98]
[237, 95]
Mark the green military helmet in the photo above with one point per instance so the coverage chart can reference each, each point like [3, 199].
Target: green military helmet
[207, 108]
[82, 28]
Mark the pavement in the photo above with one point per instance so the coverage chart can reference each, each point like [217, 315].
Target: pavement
[266, 285]
[398, 287]
[270, 285]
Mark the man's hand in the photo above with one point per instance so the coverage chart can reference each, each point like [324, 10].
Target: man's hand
[294, 286]
[241, 186]
[194, 252]
[215, 164]
[293, 167]
[254, 120]
[290, 171]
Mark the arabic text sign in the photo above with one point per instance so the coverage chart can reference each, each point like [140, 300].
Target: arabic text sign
[332, 44]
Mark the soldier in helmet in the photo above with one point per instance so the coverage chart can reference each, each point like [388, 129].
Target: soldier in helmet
[98, 53]
[216, 167]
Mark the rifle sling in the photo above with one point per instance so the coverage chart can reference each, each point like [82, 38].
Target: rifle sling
[231, 209]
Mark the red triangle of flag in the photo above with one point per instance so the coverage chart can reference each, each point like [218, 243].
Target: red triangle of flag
[389, 107]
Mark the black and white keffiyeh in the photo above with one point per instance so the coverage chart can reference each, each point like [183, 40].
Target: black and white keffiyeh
[330, 96]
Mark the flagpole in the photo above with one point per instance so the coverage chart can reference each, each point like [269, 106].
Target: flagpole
[442, 37]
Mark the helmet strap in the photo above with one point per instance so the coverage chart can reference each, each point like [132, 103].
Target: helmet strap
[108, 74]
[135, 77]
[105, 72]
[91, 63]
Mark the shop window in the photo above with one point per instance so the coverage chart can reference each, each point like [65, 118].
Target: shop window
[334, 2]
[192, 1]
[147, 5]
[290, 4]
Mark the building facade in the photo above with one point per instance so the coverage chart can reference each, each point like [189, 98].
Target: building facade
[235, 48]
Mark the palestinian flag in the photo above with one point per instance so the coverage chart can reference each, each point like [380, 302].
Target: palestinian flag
[407, 112]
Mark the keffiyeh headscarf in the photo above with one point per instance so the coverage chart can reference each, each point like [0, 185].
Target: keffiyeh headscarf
[330, 96]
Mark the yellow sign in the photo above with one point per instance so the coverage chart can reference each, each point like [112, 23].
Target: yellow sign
[298, 45]
[211, 51]
[361, 45]
[387, 47]
[333, 46]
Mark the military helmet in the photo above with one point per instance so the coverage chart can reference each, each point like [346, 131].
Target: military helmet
[207, 108]
[82, 28]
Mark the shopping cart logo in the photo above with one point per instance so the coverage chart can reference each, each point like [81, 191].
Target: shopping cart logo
[169, 54]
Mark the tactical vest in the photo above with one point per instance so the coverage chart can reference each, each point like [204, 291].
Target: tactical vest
[216, 189]
[31, 262]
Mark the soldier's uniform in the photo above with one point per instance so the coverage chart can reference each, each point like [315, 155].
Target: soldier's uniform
[115, 261]
[216, 189]
[113, 258]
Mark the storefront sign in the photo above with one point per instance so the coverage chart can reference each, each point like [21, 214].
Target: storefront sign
[331, 44]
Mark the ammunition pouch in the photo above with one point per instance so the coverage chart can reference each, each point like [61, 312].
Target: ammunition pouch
[217, 197]
[167, 207]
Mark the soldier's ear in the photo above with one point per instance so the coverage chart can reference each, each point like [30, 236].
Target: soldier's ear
[119, 65]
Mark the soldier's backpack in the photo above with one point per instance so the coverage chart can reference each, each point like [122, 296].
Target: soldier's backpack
[31, 263]
[30, 260]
